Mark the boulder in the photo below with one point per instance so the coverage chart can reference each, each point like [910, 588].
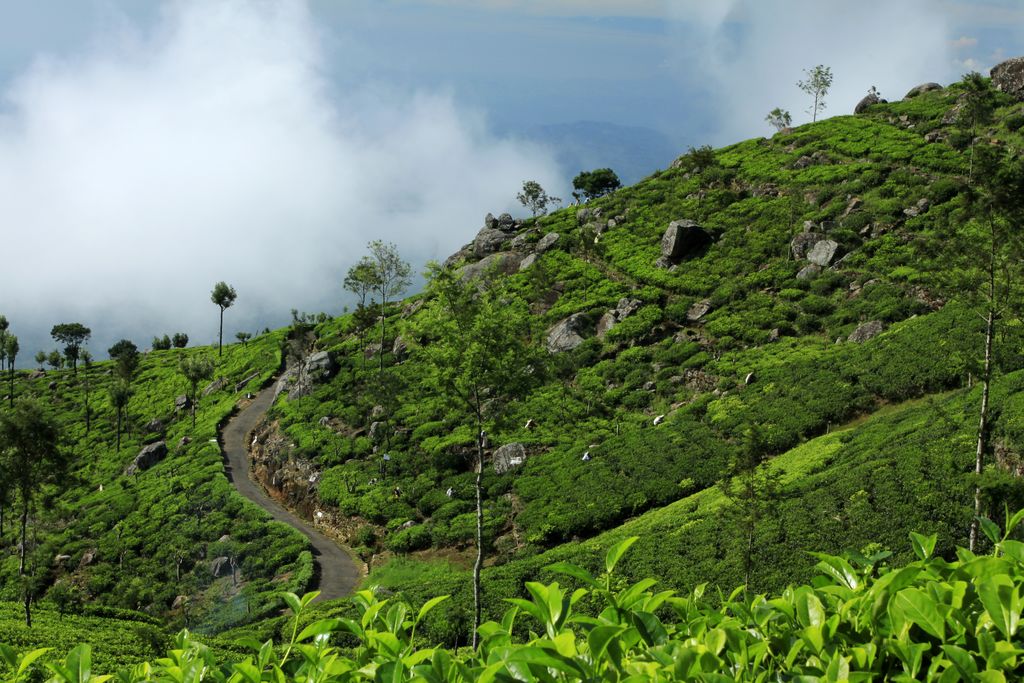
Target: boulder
[506, 223]
[866, 331]
[682, 238]
[547, 241]
[567, 334]
[504, 262]
[808, 272]
[582, 216]
[319, 365]
[224, 539]
[215, 385]
[490, 222]
[88, 558]
[698, 310]
[521, 242]
[376, 432]
[921, 89]
[458, 257]
[803, 243]
[217, 564]
[488, 241]
[147, 457]
[508, 456]
[179, 602]
[866, 101]
[1008, 77]
[917, 209]
[822, 253]
[154, 426]
[851, 206]
[411, 309]
[182, 402]
[37, 374]
[400, 348]
[625, 308]
[527, 262]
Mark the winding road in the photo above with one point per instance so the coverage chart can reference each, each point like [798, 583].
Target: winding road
[338, 574]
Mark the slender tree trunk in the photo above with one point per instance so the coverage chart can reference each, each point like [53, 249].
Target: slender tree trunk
[982, 422]
[220, 336]
[28, 607]
[479, 563]
[194, 398]
[383, 326]
[11, 370]
[118, 430]
[24, 527]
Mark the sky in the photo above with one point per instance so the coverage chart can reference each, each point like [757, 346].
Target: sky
[151, 149]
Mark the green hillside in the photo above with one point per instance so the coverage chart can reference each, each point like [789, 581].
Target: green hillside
[799, 369]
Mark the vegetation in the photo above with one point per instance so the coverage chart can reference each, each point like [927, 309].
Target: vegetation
[534, 198]
[224, 297]
[817, 83]
[779, 119]
[589, 185]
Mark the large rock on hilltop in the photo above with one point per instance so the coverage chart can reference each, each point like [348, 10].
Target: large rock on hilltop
[504, 262]
[567, 334]
[488, 241]
[147, 457]
[1008, 77]
[921, 89]
[682, 238]
[868, 100]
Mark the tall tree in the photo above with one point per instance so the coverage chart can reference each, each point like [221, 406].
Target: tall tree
[125, 355]
[779, 119]
[536, 199]
[120, 394]
[87, 388]
[481, 358]
[977, 107]
[40, 359]
[11, 346]
[31, 457]
[4, 326]
[195, 369]
[589, 185]
[72, 336]
[224, 296]
[391, 278]
[817, 83]
[361, 281]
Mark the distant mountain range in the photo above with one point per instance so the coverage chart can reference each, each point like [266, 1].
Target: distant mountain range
[633, 152]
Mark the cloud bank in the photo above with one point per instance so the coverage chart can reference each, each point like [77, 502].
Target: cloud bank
[748, 54]
[212, 147]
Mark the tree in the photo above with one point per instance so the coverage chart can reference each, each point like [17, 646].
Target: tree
[11, 346]
[55, 360]
[481, 358]
[125, 355]
[41, 359]
[179, 340]
[161, 343]
[224, 296]
[195, 369]
[120, 393]
[976, 109]
[361, 281]
[536, 199]
[243, 337]
[72, 335]
[779, 119]
[87, 387]
[817, 83]
[597, 183]
[30, 457]
[4, 326]
[390, 279]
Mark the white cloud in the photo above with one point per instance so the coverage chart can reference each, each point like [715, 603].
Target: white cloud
[135, 176]
[963, 42]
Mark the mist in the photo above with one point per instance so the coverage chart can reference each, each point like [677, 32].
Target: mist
[747, 55]
[211, 146]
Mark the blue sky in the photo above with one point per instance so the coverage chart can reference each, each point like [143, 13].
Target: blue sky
[149, 149]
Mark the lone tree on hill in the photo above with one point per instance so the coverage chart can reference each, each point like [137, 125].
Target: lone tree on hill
[779, 119]
[120, 393]
[817, 83]
[180, 340]
[195, 369]
[481, 359]
[73, 336]
[55, 360]
[40, 359]
[361, 280]
[390, 279]
[30, 457]
[224, 296]
[4, 325]
[597, 183]
[976, 109]
[243, 337]
[536, 199]
[11, 347]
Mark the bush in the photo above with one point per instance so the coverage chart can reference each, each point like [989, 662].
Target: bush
[416, 537]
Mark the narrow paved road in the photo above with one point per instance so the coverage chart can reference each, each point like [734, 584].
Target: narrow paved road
[338, 574]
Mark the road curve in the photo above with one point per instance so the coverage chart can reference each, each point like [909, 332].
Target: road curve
[338, 574]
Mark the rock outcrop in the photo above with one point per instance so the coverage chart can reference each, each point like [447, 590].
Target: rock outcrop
[866, 101]
[1008, 77]
[800, 245]
[682, 238]
[504, 263]
[823, 252]
[508, 457]
[866, 331]
[567, 334]
[547, 241]
[147, 457]
[921, 89]
[625, 308]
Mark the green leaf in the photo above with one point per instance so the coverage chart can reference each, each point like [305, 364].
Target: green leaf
[917, 607]
[839, 569]
[292, 600]
[573, 571]
[991, 529]
[962, 660]
[924, 546]
[616, 552]
[599, 637]
[248, 671]
[429, 605]
[28, 659]
[319, 628]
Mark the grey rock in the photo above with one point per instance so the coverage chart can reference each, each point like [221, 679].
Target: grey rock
[224, 539]
[412, 308]
[683, 238]
[567, 334]
[217, 564]
[319, 365]
[376, 432]
[800, 245]
[521, 242]
[625, 308]
[324, 421]
[241, 385]
[917, 209]
[37, 374]
[851, 206]
[808, 272]
[867, 101]
[490, 222]
[698, 310]
[400, 348]
[921, 89]
[506, 223]
[458, 257]
[147, 457]
[154, 426]
[527, 262]
[215, 385]
[822, 253]
[87, 558]
[1008, 77]
[582, 216]
[504, 263]
[774, 334]
[866, 331]
[488, 241]
[649, 386]
[952, 115]
[509, 456]
[547, 241]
